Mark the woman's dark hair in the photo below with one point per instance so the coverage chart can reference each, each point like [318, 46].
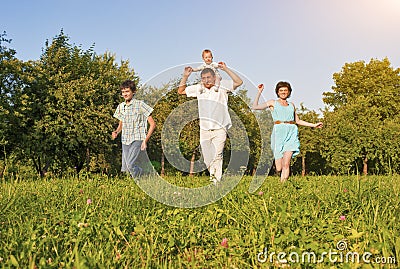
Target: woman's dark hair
[282, 84]
[128, 84]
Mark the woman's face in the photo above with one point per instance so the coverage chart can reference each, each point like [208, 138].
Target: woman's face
[283, 92]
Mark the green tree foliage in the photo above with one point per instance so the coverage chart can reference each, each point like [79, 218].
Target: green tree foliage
[173, 104]
[67, 105]
[189, 139]
[389, 159]
[364, 102]
[240, 105]
[56, 113]
[155, 97]
[10, 84]
[310, 141]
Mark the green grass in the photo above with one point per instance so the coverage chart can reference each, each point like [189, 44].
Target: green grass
[49, 223]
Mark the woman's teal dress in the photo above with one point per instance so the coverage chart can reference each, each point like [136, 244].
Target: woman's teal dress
[285, 136]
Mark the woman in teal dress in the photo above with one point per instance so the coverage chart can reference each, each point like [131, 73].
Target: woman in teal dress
[285, 142]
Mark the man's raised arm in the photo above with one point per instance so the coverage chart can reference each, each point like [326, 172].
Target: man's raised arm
[237, 81]
[182, 85]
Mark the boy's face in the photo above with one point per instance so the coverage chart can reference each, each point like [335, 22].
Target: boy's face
[207, 57]
[127, 94]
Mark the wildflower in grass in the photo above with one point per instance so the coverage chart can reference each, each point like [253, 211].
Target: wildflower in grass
[80, 191]
[224, 243]
[89, 201]
[342, 217]
[345, 190]
[81, 224]
[261, 193]
[118, 256]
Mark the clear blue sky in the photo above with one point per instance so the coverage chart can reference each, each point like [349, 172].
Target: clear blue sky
[301, 41]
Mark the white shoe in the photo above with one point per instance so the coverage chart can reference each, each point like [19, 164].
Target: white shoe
[213, 179]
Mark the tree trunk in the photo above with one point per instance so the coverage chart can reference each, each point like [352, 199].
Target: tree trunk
[2, 171]
[38, 165]
[303, 165]
[365, 166]
[162, 164]
[192, 163]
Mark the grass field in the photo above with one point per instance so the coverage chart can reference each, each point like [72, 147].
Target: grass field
[100, 222]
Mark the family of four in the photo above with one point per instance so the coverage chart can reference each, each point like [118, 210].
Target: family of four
[212, 94]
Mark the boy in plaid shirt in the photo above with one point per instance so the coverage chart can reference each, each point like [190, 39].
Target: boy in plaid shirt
[133, 116]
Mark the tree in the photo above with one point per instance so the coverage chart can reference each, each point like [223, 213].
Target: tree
[181, 142]
[155, 97]
[10, 82]
[310, 139]
[187, 151]
[364, 99]
[389, 159]
[255, 127]
[70, 95]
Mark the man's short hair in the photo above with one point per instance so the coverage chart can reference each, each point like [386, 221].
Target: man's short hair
[207, 70]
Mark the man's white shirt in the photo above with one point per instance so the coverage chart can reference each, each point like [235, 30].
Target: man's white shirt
[213, 105]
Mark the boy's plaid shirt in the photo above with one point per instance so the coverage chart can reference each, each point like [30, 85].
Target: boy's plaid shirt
[134, 120]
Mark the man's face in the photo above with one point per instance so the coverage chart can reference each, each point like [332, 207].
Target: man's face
[127, 94]
[207, 57]
[208, 80]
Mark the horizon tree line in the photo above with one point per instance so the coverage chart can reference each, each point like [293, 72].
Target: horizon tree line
[56, 117]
